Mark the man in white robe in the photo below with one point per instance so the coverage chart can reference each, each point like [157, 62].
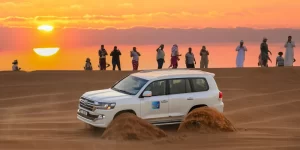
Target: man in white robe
[240, 58]
[289, 52]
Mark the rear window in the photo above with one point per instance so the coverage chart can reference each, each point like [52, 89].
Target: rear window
[199, 85]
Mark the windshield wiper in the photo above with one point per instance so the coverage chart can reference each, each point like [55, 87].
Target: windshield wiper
[123, 91]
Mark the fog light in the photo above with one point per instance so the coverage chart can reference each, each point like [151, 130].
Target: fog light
[100, 117]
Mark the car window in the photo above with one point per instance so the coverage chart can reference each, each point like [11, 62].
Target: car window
[157, 88]
[130, 85]
[199, 85]
[188, 88]
[178, 86]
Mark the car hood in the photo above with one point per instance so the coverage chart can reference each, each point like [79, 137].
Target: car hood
[107, 95]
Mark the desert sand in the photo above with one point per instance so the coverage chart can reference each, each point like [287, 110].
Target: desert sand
[38, 112]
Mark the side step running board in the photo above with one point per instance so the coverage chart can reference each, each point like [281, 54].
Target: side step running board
[166, 123]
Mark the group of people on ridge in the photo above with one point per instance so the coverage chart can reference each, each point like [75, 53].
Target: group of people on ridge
[190, 60]
[160, 56]
[264, 56]
[115, 54]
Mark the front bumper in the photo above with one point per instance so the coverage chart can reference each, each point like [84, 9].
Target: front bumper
[92, 118]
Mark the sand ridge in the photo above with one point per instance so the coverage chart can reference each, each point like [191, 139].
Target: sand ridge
[206, 120]
[128, 126]
[266, 105]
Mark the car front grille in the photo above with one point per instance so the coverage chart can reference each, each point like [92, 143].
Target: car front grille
[86, 104]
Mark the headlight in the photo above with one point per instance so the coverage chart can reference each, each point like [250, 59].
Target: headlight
[105, 106]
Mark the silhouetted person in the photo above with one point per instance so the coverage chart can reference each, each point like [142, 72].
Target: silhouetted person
[174, 57]
[289, 52]
[190, 59]
[264, 53]
[160, 56]
[15, 66]
[240, 58]
[204, 57]
[102, 58]
[116, 58]
[88, 64]
[135, 58]
[107, 65]
[260, 60]
[280, 60]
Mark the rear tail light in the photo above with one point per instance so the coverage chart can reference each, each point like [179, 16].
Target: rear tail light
[220, 95]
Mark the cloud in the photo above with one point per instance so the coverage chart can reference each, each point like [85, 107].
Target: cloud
[72, 7]
[8, 4]
[125, 5]
[157, 19]
[103, 17]
[15, 19]
[53, 18]
[14, 4]
[75, 6]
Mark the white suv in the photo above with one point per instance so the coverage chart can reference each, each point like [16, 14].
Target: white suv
[159, 96]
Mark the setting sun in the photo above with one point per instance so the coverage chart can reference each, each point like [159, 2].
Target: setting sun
[46, 51]
[46, 28]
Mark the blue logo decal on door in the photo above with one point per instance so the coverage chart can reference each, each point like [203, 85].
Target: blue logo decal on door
[156, 105]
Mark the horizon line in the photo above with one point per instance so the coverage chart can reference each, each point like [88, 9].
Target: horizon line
[149, 27]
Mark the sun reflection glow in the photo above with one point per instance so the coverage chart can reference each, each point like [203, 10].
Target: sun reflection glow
[46, 28]
[46, 51]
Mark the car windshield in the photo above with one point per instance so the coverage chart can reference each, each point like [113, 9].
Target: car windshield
[130, 85]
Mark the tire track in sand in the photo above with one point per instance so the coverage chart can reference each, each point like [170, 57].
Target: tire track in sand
[32, 96]
[263, 94]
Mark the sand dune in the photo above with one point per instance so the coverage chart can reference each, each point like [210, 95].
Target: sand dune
[38, 112]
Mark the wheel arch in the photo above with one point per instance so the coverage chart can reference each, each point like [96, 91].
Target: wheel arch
[124, 111]
[197, 106]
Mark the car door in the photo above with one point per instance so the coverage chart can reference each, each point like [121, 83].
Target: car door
[180, 98]
[202, 94]
[155, 109]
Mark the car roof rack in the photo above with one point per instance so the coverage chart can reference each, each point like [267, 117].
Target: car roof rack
[150, 70]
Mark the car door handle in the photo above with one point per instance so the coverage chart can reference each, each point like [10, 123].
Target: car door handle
[164, 101]
[190, 98]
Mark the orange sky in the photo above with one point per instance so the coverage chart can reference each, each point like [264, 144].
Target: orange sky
[151, 13]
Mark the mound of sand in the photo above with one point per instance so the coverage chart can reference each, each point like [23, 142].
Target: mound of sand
[127, 126]
[206, 120]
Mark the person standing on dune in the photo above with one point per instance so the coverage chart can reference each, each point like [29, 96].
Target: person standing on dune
[116, 58]
[240, 58]
[264, 53]
[190, 60]
[135, 58]
[204, 57]
[15, 66]
[174, 57]
[102, 58]
[280, 60]
[160, 56]
[289, 52]
[88, 65]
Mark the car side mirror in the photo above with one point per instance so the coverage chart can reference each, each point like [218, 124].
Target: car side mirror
[147, 94]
